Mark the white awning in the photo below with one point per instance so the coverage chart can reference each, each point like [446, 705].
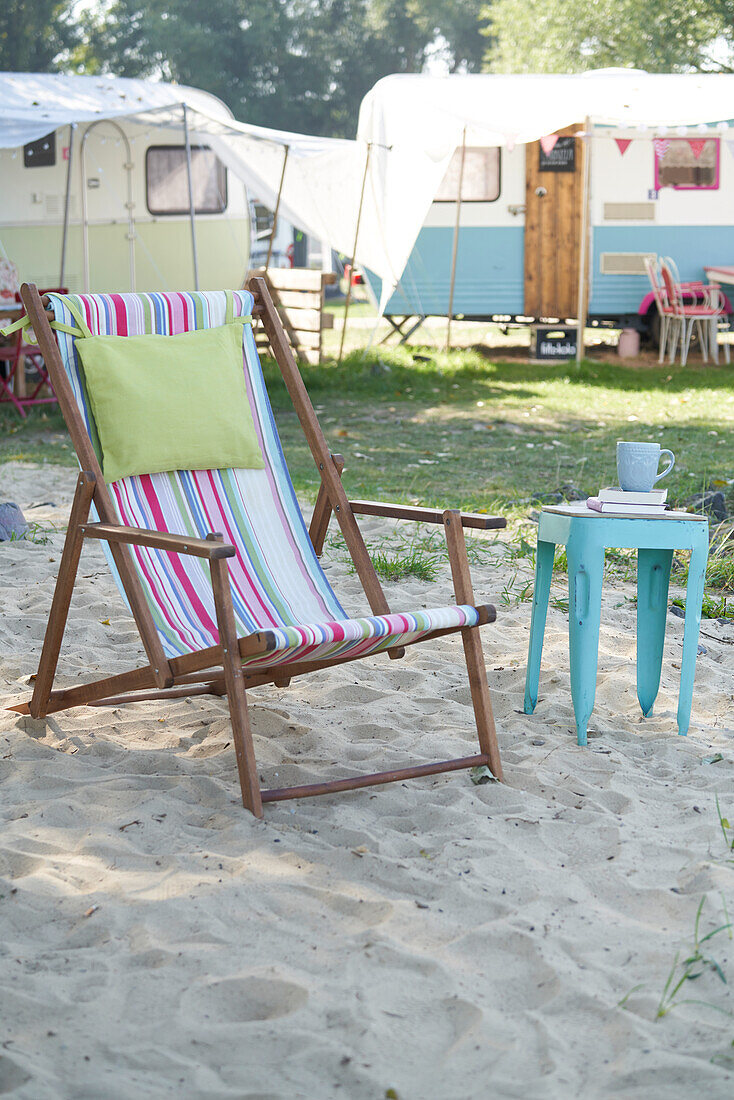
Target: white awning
[323, 177]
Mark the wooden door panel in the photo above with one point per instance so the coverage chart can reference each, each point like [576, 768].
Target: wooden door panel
[552, 234]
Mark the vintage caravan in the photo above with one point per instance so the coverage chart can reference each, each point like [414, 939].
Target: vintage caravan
[102, 201]
[553, 190]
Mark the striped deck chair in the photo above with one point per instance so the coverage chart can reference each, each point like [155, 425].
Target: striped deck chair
[217, 567]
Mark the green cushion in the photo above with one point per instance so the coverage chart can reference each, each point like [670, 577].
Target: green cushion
[170, 402]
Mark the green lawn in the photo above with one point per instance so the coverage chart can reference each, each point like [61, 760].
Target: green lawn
[461, 430]
[435, 428]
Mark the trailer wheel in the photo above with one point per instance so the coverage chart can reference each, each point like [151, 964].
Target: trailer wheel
[651, 333]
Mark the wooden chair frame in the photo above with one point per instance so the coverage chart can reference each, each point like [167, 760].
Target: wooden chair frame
[218, 669]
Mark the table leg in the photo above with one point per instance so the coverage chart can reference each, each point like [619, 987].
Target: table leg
[653, 576]
[694, 598]
[585, 575]
[714, 339]
[544, 556]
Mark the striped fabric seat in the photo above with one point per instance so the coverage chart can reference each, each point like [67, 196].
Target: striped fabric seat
[277, 582]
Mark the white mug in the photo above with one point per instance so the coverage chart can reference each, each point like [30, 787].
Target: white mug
[637, 465]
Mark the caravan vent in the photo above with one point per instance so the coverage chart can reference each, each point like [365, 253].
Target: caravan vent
[629, 211]
[55, 206]
[623, 263]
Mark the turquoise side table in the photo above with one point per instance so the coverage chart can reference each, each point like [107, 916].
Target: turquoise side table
[586, 534]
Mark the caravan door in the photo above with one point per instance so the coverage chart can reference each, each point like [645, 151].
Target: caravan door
[553, 201]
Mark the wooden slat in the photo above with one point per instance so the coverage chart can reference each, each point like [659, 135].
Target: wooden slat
[353, 783]
[300, 299]
[472, 642]
[322, 511]
[308, 340]
[136, 679]
[424, 515]
[304, 320]
[244, 750]
[174, 544]
[211, 687]
[294, 278]
[62, 595]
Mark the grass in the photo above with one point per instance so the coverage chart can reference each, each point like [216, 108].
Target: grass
[459, 429]
[395, 565]
[727, 829]
[695, 965]
[712, 607]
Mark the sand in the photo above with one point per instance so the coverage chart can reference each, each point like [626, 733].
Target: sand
[442, 940]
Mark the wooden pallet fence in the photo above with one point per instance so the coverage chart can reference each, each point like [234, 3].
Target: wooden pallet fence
[299, 295]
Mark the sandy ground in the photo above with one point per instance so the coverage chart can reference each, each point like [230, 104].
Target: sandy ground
[433, 940]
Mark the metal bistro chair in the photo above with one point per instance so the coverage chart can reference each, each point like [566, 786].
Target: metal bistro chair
[694, 304]
[669, 319]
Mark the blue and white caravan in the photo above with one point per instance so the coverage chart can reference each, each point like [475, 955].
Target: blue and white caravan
[562, 184]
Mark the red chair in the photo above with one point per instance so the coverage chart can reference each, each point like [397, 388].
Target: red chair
[698, 304]
[17, 352]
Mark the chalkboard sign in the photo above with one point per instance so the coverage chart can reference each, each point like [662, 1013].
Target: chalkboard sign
[554, 342]
[561, 158]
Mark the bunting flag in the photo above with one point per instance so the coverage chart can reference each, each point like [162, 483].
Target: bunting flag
[548, 143]
[697, 145]
[623, 144]
[661, 146]
[730, 144]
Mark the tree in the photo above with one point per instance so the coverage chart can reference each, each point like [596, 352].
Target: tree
[547, 36]
[292, 64]
[35, 35]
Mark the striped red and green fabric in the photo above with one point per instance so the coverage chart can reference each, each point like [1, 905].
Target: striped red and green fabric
[277, 581]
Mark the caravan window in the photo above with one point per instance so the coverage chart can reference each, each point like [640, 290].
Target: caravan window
[166, 180]
[40, 153]
[481, 181]
[687, 163]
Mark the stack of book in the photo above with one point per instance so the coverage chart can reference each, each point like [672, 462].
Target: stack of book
[622, 502]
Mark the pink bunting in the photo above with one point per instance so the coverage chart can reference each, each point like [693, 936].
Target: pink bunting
[697, 145]
[661, 146]
[623, 144]
[548, 143]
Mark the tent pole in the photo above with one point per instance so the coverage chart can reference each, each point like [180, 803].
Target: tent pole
[274, 230]
[354, 250]
[85, 213]
[455, 246]
[192, 207]
[67, 203]
[584, 245]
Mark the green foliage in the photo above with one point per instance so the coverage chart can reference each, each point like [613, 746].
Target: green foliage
[294, 64]
[544, 36]
[35, 35]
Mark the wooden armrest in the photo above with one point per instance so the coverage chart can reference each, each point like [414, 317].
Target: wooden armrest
[158, 540]
[424, 515]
